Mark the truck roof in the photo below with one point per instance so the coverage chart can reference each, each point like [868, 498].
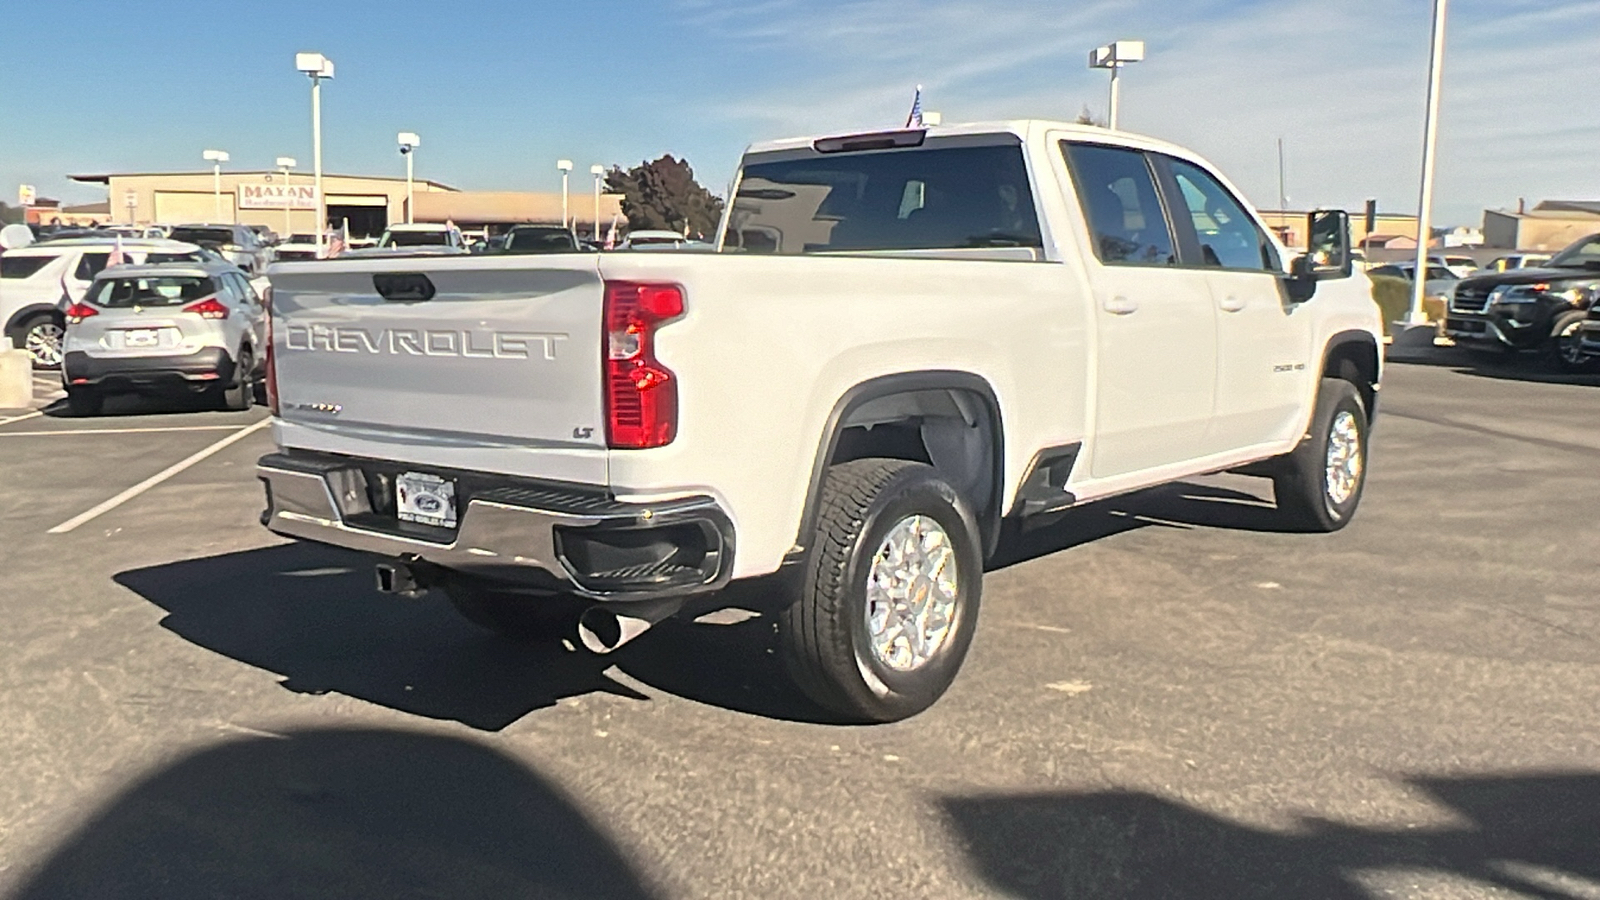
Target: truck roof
[1022, 128]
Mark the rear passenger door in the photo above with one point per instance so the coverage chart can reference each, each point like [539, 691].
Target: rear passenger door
[1263, 338]
[1154, 320]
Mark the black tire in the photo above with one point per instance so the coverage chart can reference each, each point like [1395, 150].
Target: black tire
[84, 401]
[1306, 502]
[824, 632]
[41, 336]
[525, 618]
[1565, 352]
[241, 395]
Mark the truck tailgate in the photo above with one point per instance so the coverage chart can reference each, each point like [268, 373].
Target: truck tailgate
[458, 353]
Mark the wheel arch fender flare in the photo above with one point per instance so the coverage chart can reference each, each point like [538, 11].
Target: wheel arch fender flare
[13, 326]
[1363, 347]
[989, 420]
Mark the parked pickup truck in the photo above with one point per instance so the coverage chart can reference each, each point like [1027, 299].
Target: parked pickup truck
[909, 344]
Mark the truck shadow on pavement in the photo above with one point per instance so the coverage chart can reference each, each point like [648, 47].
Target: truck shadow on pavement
[312, 615]
[339, 813]
[1531, 835]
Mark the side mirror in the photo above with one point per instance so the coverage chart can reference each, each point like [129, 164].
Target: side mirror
[1328, 250]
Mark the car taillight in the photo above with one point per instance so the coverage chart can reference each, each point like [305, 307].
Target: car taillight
[271, 361]
[641, 393]
[209, 308]
[77, 312]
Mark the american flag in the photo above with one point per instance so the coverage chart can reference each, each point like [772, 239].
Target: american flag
[117, 257]
[339, 240]
[611, 236]
[915, 119]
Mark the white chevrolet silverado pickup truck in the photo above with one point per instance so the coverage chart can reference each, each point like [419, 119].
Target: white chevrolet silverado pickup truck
[908, 344]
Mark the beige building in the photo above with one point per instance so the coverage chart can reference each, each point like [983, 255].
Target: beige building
[257, 198]
[1290, 226]
[1549, 227]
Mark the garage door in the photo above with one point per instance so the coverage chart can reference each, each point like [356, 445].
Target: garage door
[181, 207]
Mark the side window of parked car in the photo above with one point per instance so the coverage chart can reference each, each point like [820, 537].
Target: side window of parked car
[1118, 193]
[1229, 238]
[90, 265]
[242, 285]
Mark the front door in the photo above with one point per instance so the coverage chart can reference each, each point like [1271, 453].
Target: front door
[1155, 324]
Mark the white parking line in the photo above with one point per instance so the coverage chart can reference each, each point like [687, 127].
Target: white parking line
[64, 431]
[157, 478]
[9, 419]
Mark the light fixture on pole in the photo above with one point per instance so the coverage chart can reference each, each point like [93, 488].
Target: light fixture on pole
[285, 163]
[317, 67]
[216, 158]
[130, 199]
[1430, 144]
[565, 165]
[409, 142]
[599, 173]
[1114, 56]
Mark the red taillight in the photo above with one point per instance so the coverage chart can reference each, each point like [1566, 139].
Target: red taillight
[77, 312]
[209, 308]
[641, 393]
[271, 364]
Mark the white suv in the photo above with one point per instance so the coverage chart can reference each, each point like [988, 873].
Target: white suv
[38, 283]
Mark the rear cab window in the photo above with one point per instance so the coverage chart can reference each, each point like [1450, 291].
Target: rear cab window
[957, 193]
[12, 266]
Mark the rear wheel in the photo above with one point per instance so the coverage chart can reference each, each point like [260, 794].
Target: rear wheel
[526, 618]
[241, 395]
[1318, 486]
[41, 337]
[890, 598]
[84, 401]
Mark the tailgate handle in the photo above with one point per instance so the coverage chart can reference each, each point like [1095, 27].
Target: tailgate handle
[403, 287]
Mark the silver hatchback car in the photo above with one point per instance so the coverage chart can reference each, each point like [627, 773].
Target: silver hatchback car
[182, 327]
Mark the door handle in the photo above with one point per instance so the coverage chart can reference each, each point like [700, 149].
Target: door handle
[1231, 304]
[1120, 306]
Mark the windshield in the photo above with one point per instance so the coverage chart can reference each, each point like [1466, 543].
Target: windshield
[933, 198]
[190, 256]
[539, 240]
[1585, 254]
[162, 290]
[301, 239]
[416, 239]
[203, 235]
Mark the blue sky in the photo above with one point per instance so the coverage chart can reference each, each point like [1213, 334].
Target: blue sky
[499, 91]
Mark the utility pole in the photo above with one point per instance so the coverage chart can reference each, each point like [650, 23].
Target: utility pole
[1430, 145]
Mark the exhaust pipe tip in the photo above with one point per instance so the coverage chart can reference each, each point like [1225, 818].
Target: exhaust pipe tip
[602, 630]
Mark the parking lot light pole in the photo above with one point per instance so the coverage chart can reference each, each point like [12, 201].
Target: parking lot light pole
[565, 165]
[317, 67]
[216, 158]
[1430, 145]
[1114, 56]
[285, 163]
[599, 173]
[409, 142]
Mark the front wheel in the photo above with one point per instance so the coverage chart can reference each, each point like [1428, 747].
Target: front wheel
[1566, 345]
[890, 598]
[1319, 485]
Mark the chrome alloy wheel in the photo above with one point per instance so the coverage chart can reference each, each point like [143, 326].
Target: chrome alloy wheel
[912, 591]
[43, 343]
[1344, 458]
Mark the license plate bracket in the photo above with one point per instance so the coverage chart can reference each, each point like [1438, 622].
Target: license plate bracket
[425, 499]
[141, 337]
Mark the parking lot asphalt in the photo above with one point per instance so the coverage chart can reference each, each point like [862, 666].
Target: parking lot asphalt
[1165, 698]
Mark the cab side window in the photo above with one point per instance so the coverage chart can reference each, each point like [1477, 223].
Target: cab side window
[1118, 194]
[1229, 238]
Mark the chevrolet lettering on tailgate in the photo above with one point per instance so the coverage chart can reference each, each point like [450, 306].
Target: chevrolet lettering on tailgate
[467, 343]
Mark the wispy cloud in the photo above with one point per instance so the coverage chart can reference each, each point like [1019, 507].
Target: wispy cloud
[1343, 83]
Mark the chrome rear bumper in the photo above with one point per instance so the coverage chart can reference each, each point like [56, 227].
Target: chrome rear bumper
[533, 535]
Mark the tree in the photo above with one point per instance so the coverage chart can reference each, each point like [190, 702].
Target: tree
[1087, 118]
[10, 215]
[664, 195]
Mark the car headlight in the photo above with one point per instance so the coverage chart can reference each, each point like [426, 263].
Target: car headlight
[1579, 294]
[1517, 293]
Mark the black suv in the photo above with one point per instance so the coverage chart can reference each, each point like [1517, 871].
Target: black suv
[1540, 310]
